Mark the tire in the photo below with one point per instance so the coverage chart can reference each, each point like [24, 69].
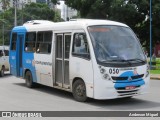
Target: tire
[2, 72]
[79, 91]
[29, 79]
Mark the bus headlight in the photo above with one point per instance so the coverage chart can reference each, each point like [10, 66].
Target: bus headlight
[106, 76]
[102, 70]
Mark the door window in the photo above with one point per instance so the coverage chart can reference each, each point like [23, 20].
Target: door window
[13, 41]
[67, 45]
[80, 46]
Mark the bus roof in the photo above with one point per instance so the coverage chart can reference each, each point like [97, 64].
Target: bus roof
[72, 24]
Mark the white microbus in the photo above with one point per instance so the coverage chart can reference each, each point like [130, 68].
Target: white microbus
[4, 59]
[98, 59]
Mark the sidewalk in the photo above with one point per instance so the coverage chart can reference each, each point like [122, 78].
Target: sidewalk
[155, 76]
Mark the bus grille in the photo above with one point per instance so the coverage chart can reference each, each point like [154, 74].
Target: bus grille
[124, 92]
[120, 78]
[126, 78]
[137, 76]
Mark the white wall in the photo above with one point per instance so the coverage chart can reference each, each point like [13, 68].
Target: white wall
[66, 11]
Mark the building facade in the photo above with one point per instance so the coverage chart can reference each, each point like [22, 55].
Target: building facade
[67, 12]
[21, 3]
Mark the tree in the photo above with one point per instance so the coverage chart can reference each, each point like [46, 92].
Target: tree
[38, 11]
[134, 13]
[31, 11]
[55, 2]
[91, 8]
[5, 4]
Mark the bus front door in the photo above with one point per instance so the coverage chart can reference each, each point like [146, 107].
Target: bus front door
[62, 60]
[19, 54]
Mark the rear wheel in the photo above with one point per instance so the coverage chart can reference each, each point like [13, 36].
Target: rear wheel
[79, 91]
[2, 72]
[29, 79]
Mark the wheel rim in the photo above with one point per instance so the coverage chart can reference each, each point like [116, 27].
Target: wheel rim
[80, 90]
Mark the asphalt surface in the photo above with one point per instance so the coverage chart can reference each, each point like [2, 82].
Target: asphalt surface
[15, 96]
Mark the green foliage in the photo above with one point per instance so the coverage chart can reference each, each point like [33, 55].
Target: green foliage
[57, 17]
[5, 4]
[33, 11]
[154, 71]
[38, 11]
[134, 13]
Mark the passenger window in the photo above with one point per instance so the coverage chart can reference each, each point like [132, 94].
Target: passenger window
[13, 42]
[80, 45]
[44, 42]
[30, 42]
[1, 53]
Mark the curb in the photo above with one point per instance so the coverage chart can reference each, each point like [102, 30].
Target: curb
[157, 78]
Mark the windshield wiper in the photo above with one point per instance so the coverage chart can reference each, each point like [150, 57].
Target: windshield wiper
[118, 60]
[136, 59]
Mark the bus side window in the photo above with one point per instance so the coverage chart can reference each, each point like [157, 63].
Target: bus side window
[13, 41]
[44, 42]
[80, 45]
[1, 53]
[30, 42]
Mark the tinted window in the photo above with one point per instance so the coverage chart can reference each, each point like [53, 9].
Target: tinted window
[13, 42]
[67, 45]
[113, 43]
[80, 45]
[44, 42]
[1, 53]
[30, 42]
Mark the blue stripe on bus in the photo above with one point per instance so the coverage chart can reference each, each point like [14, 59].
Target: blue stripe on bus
[26, 56]
[19, 29]
[122, 84]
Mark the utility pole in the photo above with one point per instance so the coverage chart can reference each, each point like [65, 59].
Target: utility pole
[3, 33]
[23, 3]
[150, 34]
[3, 29]
[15, 12]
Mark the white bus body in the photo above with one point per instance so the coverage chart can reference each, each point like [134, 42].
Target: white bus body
[86, 57]
[4, 59]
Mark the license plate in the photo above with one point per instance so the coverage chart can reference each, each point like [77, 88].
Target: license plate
[130, 87]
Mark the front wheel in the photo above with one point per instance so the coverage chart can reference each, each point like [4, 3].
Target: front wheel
[79, 91]
[29, 79]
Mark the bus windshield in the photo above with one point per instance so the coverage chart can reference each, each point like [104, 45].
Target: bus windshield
[115, 44]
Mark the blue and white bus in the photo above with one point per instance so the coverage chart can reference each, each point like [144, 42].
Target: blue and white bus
[97, 59]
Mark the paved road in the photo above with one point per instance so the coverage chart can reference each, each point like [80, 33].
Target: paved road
[15, 96]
